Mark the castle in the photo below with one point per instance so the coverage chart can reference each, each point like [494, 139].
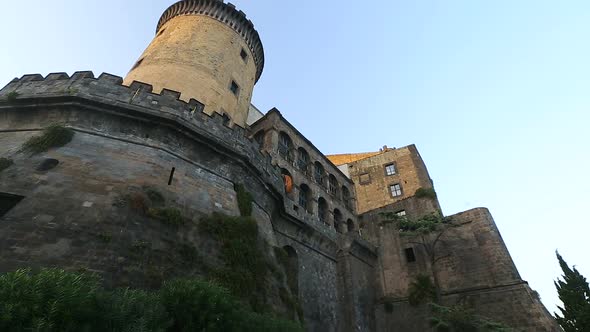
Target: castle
[181, 123]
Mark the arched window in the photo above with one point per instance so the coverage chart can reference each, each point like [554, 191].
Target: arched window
[285, 146]
[323, 210]
[350, 225]
[302, 160]
[318, 173]
[333, 185]
[305, 197]
[259, 138]
[338, 220]
[346, 198]
[288, 180]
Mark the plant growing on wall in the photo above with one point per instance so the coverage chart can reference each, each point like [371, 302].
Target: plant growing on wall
[425, 193]
[426, 232]
[244, 200]
[53, 136]
[574, 293]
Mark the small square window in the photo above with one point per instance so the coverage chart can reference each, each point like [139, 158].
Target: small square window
[396, 190]
[244, 55]
[410, 256]
[235, 88]
[401, 213]
[390, 170]
[365, 178]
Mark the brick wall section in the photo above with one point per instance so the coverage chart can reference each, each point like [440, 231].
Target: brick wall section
[411, 174]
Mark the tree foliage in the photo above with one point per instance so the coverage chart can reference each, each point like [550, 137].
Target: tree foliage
[53, 136]
[574, 293]
[56, 300]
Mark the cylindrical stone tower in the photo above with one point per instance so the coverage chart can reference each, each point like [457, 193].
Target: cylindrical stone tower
[206, 50]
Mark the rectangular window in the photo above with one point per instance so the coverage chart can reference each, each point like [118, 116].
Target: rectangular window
[396, 190]
[235, 88]
[7, 202]
[410, 256]
[365, 178]
[390, 169]
[401, 213]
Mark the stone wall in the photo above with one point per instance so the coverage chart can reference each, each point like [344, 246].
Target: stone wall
[82, 214]
[372, 183]
[475, 269]
[271, 126]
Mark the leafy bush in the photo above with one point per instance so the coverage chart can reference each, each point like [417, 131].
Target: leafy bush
[52, 137]
[421, 290]
[51, 300]
[169, 216]
[425, 193]
[5, 163]
[244, 200]
[55, 300]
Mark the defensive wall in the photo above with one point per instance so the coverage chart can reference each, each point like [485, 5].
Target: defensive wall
[77, 213]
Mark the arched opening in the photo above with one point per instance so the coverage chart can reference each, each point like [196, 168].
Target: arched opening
[302, 160]
[333, 185]
[259, 138]
[350, 225]
[318, 174]
[323, 210]
[338, 220]
[285, 146]
[288, 181]
[292, 270]
[346, 198]
[305, 197]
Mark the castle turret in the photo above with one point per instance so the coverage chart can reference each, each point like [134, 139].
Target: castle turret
[206, 50]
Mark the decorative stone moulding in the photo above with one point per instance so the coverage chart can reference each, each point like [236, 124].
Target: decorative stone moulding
[226, 14]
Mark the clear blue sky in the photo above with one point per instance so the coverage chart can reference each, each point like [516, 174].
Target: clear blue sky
[495, 94]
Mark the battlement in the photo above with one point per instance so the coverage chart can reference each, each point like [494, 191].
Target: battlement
[108, 90]
[224, 13]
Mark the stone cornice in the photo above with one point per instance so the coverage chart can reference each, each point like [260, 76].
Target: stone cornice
[224, 13]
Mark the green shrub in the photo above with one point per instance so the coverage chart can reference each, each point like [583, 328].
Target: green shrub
[51, 300]
[5, 163]
[421, 290]
[425, 193]
[244, 200]
[55, 300]
[129, 310]
[52, 137]
[169, 216]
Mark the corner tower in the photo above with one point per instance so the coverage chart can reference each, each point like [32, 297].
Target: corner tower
[206, 50]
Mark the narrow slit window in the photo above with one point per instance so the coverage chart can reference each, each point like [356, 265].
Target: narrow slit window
[171, 176]
[235, 88]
